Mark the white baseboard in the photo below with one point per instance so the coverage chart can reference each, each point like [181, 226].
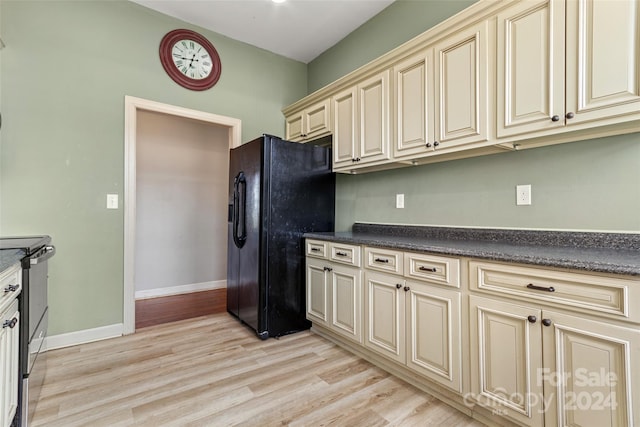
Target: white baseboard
[182, 289]
[84, 336]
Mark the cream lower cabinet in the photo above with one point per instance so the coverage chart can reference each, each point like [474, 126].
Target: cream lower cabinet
[416, 324]
[9, 345]
[545, 368]
[334, 288]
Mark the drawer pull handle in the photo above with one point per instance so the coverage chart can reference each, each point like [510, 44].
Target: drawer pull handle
[11, 288]
[432, 270]
[541, 288]
[532, 319]
[328, 269]
[315, 250]
[341, 253]
[10, 323]
[382, 260]
[546, 322]
[398, 285]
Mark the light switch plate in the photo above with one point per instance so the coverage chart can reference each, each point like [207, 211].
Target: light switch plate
[399, 201]
[112, 201]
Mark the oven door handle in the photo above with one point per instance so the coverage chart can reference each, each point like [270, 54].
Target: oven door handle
[42, 256]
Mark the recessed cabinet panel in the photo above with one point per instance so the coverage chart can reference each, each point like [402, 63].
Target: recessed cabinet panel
[462, 84]
[373, 122]
[317, 120]
[346, 302]
[414, 103]
[600, 375]
[384, 311]
[344, 127]
[294, 129]
[530, 67]
[506, 355]
[317, 292]
[602, 57]
[433, 325]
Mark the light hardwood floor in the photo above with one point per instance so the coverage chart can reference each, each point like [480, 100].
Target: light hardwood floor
[212, 371]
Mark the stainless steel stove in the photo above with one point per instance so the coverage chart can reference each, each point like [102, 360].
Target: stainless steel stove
[33, 305]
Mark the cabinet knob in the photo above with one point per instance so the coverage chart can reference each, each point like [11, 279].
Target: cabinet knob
[358, 159]
[532, 319]
[398, 285]
[546, 322]
[436, 143]
[10, 323]
[570, 115]
[407, 289]
[555, 118]
[428, 144]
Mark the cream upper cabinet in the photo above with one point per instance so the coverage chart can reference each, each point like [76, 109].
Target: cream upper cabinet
[603, 60]
[530, 67]
[361, 123]
[462, 87]
[414, 116]
[567, 65]
[310, 123]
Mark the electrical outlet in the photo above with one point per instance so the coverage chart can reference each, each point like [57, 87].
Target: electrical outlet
[523, 195]
[112, 201]
[399, 201]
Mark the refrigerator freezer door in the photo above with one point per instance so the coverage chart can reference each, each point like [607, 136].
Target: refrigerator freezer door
[243, 283]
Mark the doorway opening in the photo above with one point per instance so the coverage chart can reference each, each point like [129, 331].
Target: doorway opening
[165, 180]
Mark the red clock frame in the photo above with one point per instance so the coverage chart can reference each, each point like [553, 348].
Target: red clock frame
[170, 39]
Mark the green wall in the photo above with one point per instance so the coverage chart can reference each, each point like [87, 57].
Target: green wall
[65, 71]
[396, 24]
[587, 185]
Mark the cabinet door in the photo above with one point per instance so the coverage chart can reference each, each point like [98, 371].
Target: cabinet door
[317, 292]
[591, 371]
[506, 358]
[346, 302]
[294, 127]
[9, 364]
[344, 128]
[414, 103]
[462, 82]
[317, 120]
[603, 63]
[373, 119]
[433, 333]
[530, 67]
[384, 315]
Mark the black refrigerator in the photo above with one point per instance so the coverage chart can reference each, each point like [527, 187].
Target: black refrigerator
[278, 190]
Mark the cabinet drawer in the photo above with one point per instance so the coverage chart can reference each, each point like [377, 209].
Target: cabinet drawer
[317, 248]
[345, 254]
[10, 285]
[585, 292]
[384, 260]
[434, 269]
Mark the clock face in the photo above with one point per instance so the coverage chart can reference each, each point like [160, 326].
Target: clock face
[190, 59]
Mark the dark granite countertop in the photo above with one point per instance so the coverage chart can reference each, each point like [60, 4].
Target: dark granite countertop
[8, 257]
[615, 253]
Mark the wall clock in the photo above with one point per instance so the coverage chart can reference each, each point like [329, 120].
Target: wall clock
[190, 59]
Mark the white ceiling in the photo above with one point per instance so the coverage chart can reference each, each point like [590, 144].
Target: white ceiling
[296, 29]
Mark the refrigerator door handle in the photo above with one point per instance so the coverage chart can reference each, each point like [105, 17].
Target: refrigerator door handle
[239, 205]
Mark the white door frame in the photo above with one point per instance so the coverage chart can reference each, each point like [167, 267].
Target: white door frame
[131, 107]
